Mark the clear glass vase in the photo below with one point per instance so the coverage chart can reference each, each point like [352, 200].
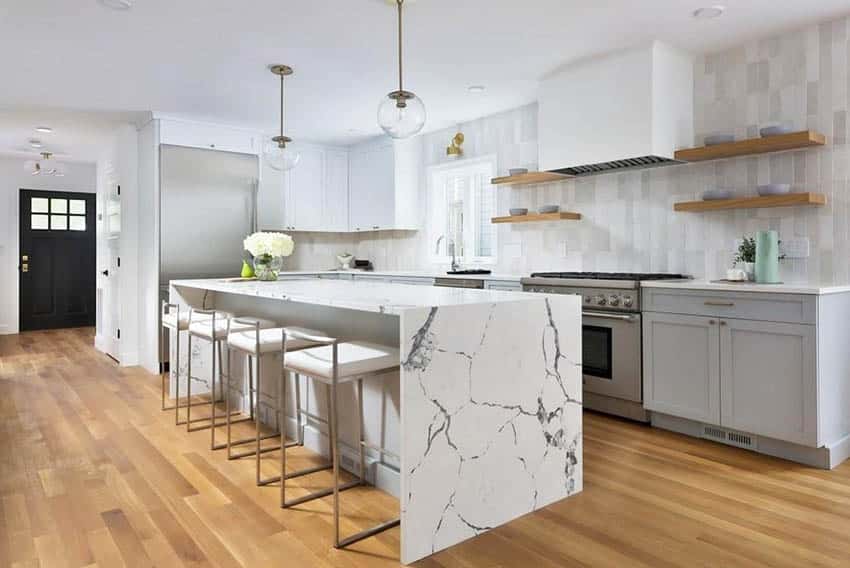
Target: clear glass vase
[267, 267]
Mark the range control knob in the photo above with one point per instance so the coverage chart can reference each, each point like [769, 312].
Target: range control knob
[613, 300]
[600, 300]
[627, 301]
[587, 299]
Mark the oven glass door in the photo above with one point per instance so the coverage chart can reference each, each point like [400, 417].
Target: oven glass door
[611, 355]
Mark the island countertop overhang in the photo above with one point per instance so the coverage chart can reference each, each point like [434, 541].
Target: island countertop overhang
[378, 297]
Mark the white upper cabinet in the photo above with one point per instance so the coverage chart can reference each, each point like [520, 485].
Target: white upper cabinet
[307, 188]
[208, 136]
[336, 190]
[383, 185]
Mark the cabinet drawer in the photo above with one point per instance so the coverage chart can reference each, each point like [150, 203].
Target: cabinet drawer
[790, 308]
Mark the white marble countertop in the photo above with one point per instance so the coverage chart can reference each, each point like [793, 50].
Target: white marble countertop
[381, 297]
[802, 288]
[407, 274]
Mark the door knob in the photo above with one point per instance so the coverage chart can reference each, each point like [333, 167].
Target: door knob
[105, 272]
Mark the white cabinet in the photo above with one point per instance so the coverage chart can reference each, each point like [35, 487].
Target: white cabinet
[314, 194]
[768, 379]
[336, 190]
[505, 285]
[682, 366]
[208, 136]
[383, 185]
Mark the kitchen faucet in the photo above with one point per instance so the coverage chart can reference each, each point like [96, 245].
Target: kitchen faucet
[451, 247]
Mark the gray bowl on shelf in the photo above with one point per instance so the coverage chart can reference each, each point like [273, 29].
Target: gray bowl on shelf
[774, 189]
[549, 209]
[715, 194]
[518, 211]
[715, 139]
[768, 131]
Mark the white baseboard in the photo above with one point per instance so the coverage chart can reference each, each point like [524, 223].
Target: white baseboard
[5, 330]
[129, 359]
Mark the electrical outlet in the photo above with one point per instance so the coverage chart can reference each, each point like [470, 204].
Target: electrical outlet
[794, 248]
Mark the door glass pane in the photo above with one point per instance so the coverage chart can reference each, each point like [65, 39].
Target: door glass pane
[77, 223]
[58, 205]
[77, 206]
[38, 205]
[59, 222]
[38, 221]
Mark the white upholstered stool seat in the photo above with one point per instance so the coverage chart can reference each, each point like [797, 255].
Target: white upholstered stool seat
[271, 340]
[354, 358]
[203, 328]
[170, 320]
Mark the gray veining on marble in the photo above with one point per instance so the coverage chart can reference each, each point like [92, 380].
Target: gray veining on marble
[491, 417]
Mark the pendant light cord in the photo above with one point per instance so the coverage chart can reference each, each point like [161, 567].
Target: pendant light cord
[400, 85]
[282, 108]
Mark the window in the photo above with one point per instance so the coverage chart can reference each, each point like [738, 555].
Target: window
[462, 202]
[57, 214]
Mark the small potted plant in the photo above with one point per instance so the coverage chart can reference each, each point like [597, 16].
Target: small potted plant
[268, 250]
[746, 256]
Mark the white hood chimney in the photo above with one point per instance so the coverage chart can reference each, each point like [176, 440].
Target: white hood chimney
[629, 109]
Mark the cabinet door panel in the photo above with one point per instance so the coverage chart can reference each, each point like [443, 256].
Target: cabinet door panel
[768, 379]
[681, 364]
[209, 136]
[382, 191]
[359, 201]
[336, 191]
[307, 180]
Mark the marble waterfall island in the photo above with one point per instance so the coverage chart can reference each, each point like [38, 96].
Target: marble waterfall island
[488, 394]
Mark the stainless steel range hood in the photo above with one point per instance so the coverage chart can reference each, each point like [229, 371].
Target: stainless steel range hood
[624, 110]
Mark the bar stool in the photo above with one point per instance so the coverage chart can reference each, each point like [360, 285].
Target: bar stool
[334, 363]
[254, 344]
[175, 319]
[214, 327]
[172, 320]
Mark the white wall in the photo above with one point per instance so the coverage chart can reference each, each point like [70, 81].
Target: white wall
[13, 178]
[798, 79]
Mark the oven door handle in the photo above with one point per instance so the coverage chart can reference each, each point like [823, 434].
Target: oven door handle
[603, 315]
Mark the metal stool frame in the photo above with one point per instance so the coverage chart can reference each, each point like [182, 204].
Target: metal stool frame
[333, 423]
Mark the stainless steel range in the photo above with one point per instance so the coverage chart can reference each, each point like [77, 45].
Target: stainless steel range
[611, 334]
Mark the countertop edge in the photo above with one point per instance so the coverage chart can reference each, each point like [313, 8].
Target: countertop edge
[809, 289]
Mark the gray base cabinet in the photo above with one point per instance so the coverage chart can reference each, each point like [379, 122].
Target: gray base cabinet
[762, 364]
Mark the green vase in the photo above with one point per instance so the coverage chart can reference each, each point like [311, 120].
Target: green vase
[767, 257]
[247, 270]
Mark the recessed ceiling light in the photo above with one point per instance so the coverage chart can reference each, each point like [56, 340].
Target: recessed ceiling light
[116, 4]
[709, 12]
[36, 143]
[477, 89]
[45, 129]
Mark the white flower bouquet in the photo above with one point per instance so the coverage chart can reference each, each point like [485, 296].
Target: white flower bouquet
[268, 250]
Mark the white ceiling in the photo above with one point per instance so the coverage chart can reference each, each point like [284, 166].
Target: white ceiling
[207, 58]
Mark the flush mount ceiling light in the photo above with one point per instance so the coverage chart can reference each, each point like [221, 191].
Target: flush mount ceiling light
[277, 155]
[476, 88]
[401, 113]
[43, 129]
[45, 167]
[121, 5]
[709, 12]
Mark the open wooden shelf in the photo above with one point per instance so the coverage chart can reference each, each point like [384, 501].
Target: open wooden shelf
[530, 177]
[784, 200]
[794, 140]
[531, 217]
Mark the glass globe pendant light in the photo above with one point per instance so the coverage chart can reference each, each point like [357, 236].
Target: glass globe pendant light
[401, 113]
[276, 153]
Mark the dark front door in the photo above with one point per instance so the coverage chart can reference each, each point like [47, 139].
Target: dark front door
[57, 259]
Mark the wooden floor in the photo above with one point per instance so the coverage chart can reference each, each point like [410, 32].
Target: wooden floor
[92, 473]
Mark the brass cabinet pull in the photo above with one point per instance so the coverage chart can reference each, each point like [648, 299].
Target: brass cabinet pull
[719, 304]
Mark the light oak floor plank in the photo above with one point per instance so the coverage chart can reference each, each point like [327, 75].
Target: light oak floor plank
[94, 474]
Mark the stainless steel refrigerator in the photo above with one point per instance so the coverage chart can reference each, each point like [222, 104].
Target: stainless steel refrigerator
[208, 206]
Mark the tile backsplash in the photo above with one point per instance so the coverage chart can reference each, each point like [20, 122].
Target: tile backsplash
[799, 79]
